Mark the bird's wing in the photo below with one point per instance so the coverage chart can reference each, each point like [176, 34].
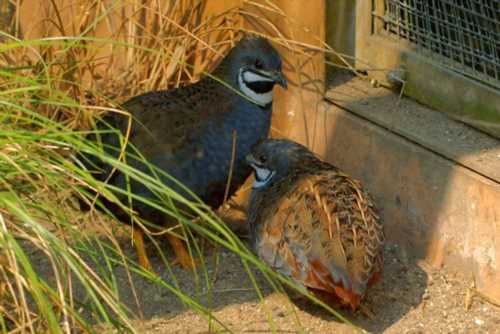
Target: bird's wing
[166, 121]
[324, 233]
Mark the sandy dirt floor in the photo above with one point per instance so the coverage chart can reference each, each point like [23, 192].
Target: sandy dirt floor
[412, 298]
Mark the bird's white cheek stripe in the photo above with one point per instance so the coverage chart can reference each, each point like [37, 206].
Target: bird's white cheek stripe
[262, 178]
[250, 76]
[262, 99]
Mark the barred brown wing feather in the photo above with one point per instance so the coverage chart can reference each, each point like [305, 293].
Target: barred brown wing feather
[323, 232]
[359, 227]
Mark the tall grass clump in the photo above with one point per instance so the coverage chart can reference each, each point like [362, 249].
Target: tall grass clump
[57, 264]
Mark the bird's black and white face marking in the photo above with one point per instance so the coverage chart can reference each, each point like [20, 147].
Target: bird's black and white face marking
[262, 176]
[273, 159]
[258, 68]
[258, 86]
[263, 172]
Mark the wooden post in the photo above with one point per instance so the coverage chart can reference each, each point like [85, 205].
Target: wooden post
[300, 24]
[341, 29]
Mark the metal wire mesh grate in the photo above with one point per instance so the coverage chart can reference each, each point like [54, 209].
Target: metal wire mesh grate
[467, 32]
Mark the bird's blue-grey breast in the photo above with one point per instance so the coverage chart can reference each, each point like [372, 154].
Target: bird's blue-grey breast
[188, 132]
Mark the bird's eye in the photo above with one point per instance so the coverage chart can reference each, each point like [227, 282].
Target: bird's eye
[258, 64]
[262, 159]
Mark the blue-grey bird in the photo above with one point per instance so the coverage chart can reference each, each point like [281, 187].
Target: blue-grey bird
[189, 132]
[313, 223]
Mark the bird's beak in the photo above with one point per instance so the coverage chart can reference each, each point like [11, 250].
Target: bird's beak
[251, 160]
[280, 79]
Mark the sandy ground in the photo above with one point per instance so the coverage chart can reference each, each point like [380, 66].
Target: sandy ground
[412, 298]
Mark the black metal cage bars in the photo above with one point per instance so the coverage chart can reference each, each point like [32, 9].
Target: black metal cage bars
[463, 34]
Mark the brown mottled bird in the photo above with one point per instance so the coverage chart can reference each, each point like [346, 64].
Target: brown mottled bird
[190, 133]
[313, 223]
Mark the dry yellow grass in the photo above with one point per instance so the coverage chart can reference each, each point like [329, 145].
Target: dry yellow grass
[99, 53]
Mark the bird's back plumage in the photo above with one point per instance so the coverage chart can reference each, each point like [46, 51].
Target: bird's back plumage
[318, 226]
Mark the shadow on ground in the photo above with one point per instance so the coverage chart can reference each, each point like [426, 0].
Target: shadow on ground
[235, 302]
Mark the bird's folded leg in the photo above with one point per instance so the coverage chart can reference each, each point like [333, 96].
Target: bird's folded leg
[182, 256]
[140, 248]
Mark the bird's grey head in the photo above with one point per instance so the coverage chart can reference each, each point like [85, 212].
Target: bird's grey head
[255, 67]
[273, 159]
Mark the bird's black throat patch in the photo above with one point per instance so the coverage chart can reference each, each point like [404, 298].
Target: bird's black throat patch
[260, 87]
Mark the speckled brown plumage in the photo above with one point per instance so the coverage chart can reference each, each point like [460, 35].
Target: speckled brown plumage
[314, 223]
